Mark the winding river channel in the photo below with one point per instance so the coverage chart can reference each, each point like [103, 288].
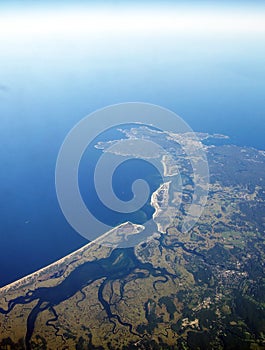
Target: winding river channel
[121, 265]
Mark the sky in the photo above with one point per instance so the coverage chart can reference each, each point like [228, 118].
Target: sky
[159, 52]
[62, 60]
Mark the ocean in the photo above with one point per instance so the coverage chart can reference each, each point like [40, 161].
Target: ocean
[216, 83]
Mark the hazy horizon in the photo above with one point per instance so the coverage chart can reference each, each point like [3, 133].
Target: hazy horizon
[59, 62]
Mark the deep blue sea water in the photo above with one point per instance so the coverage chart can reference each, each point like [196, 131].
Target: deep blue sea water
[33, 230]
[123, 178]
[47, 84]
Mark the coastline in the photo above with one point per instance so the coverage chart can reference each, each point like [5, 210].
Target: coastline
[109, 240]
